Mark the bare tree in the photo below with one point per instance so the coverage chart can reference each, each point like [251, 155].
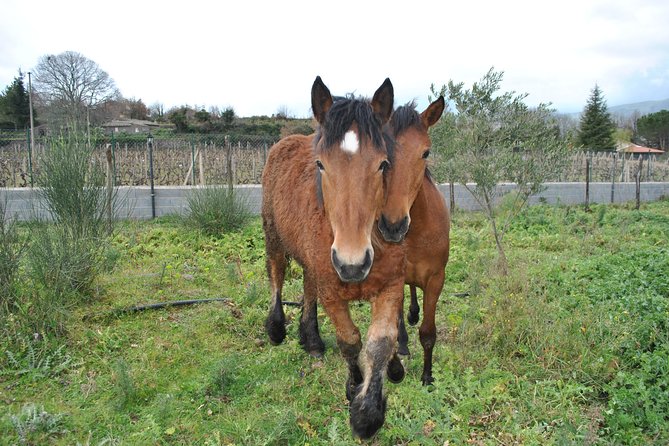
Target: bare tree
[283, 112]
[70, 84]
[157, 111]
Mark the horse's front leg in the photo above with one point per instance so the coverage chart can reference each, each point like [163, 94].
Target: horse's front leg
[348, 340]
[368, 408]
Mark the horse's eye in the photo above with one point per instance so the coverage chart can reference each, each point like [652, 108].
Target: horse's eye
[426, 154]
[320, 165]
[385, 164]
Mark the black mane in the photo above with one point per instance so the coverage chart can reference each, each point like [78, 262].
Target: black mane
[340, 117]
[405, 117]
[338, 120]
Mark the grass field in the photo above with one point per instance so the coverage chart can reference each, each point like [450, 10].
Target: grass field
[572, 347]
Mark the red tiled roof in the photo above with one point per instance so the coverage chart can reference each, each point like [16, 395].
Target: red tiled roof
[633, 148]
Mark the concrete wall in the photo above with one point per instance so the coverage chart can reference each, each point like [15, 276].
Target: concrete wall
[135, 202]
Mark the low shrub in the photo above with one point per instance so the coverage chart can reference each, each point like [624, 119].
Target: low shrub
[11, 251]
[217, 209]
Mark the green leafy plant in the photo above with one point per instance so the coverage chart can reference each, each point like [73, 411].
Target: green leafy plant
[72, 187]
[62, 263]
[11, 252]
[217, 209]
[37, 360]
[124, 386]
[34, 425]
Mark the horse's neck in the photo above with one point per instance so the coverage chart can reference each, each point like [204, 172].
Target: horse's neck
[428, 206]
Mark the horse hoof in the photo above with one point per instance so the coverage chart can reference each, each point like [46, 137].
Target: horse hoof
[427, 380]
[412, 317]
[317, 354]
[314, 349]
[367, 416]
[276, 331]
[395, 370]
[403, 350]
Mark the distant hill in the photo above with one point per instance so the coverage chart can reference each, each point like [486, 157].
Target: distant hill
[643, 108]
[627, 110]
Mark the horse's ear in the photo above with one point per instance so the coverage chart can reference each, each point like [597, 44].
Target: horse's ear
[382, 102]
[433, 112]
[321, 100]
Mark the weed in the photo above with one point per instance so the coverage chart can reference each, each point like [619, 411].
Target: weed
[216, 210]
[11, 251]
[124, 386]
[34, 425]
[62, 263]
[37, 360]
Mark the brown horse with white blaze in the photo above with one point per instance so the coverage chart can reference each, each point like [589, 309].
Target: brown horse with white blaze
[416, 212]
[412, 200]
[321, 197]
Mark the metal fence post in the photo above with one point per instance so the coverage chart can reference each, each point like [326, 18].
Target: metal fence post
[149, 141]
[587, 182]
[638, 183]
[29, 138]
[192, 158]
[613, 178]
[228, 163]
[113, 158]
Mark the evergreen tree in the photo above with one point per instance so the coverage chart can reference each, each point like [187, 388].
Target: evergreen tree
[597, 127]
[14, 105]
[653, 129]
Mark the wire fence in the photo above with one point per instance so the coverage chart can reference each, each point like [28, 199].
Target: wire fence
[222, 159]
[180, 160]
[614, 166]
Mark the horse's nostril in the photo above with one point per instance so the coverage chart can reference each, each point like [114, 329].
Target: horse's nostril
[393, 232]
[352, 272]
[335, 260]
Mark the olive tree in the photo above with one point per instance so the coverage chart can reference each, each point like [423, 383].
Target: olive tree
[495, 138]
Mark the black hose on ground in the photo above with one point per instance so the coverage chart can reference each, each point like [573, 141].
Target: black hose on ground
[174, 303]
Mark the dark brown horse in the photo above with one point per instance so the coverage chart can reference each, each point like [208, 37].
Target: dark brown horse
[416, 212]
[322, 195]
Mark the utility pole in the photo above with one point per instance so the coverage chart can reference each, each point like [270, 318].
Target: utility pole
[30, 106]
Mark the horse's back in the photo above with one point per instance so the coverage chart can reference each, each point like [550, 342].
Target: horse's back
[287, 156]
[289, 204]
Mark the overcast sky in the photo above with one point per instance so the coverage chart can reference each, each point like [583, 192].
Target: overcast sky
[262, 56]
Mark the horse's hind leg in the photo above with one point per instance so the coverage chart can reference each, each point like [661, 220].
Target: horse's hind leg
[428, 329]
[275, 324]
[414, 309]
[310, 338]
[403, 336]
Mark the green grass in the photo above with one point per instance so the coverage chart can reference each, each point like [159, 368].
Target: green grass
[570, 348]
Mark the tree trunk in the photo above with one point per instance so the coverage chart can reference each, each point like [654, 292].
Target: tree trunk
[502, 263]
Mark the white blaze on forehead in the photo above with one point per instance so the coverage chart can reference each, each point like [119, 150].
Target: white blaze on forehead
[350, 142]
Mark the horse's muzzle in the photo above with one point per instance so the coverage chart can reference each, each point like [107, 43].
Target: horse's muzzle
[393, 232]
[350, 272]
